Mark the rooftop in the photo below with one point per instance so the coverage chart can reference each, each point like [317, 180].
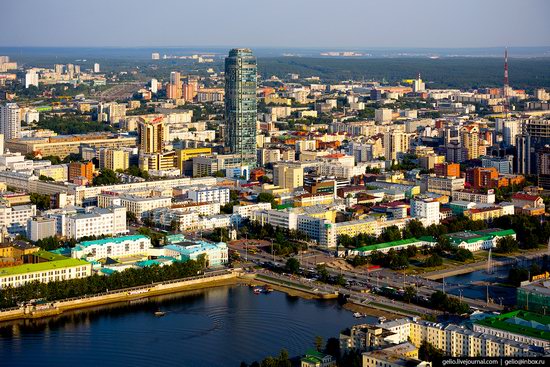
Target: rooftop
[483, 235]
[105, 241]
[522, 196]
[50, 265]
[384, 245]
[520, 322]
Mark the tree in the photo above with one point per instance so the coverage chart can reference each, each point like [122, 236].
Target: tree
[227, 208]
[516, 275]
[49, 243]
[390, 234]
[507, 245]
[42, 201]
[443, 302]
[292, 266]
[427, 352]
[433, 261]
[463, 255]
[410, 293]
[340, 280]
[265, 197]
[131, 217]
[45, 178]
[333, 347]
[283, 360]
[319, 342]
[106, 177]
[322, 273]
[138, 172]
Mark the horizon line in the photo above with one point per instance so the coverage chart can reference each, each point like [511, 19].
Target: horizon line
[283, 47]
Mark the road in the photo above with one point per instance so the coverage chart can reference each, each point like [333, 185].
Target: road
[364, 299]
[383, 278]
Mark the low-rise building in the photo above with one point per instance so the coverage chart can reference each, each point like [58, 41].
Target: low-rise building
[17, 249]
[394, 245]
[115, 247]
[314, 358]
[216, 253]
[476, 196]
[528, 204]
[44, 272]
[479, 240]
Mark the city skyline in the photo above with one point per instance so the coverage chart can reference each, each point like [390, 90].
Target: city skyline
[362, 24]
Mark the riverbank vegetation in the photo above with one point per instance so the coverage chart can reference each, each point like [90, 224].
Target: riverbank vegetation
[531, 233]
[57, 290]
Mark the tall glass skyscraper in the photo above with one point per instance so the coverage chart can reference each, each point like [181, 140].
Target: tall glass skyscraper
[240, 104]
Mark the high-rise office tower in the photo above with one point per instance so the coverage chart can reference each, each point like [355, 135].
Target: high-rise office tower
[240, 104]
[152, 136]
[535, 136]
[523, 154]
[10, 121]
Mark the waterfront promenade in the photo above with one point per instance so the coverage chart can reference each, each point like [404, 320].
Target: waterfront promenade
[208, 279]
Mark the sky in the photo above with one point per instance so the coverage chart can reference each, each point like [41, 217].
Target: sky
[275, 23]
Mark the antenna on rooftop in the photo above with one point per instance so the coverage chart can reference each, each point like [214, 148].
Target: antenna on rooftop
[506, 84]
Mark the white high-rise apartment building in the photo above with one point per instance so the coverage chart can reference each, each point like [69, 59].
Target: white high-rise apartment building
[31, 78]
[10, 121]
[426, 210]
[96, 68]
[154, 86]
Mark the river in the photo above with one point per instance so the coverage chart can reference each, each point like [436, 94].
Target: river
[219, 326]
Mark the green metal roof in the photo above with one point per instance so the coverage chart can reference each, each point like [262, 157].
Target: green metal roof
[50, 265]
[505, 322]
[312, 360]
[476, 236]
[384, 245]
[49, 255]
[105, 241]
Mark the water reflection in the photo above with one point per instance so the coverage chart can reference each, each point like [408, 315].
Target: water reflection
[213, 327]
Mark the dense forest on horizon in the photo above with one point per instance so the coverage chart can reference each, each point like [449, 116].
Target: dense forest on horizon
[459, 72]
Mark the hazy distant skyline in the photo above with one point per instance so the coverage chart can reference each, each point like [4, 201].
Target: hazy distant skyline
[282, 23]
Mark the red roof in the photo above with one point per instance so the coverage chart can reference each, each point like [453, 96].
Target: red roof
[335, 155]
[526, 197]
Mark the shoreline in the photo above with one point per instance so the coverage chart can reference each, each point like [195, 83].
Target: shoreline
[57, 308]
[60, 307]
